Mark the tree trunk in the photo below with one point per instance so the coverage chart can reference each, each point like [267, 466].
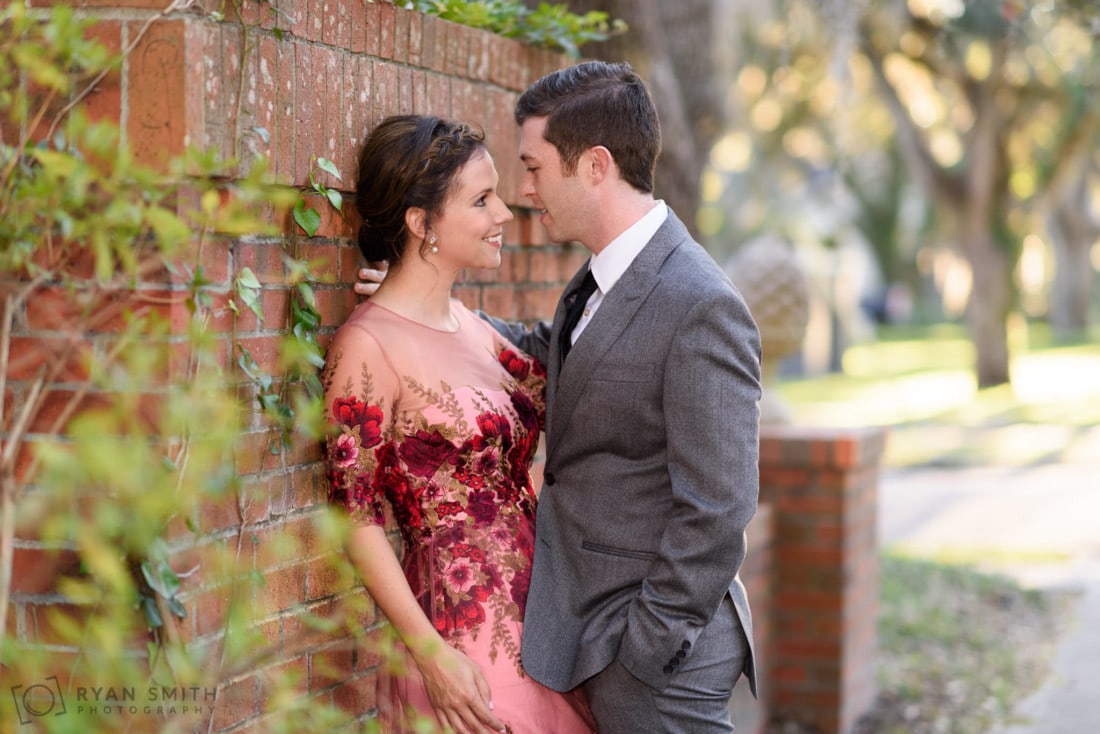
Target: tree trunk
[670, 45]
[1072, 232]
[988, 308]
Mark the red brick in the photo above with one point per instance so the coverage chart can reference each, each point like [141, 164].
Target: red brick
[354, 111]
[36, 570]
[295, 17]
[237, 702]
[261, 91]
[467, 102]
[478, 59]
[384, 90]
[415, 42]
[290, 675]
[387, 20]
[209, 610]
[308, 486]
[283, 589]
[157, 93]
[439, 94]
[457, 50]
[314, 29]
[327, 576]
[432, 36]
[372, 28]
[401, 36]
[329, 13]
[405, 95]
[305, 86]
[357, 31]
[323, 97]
[105, 100]
[368, 117]
[329, 667]
[356, 695]
[150, 4]
[285, 121]
[419, 92]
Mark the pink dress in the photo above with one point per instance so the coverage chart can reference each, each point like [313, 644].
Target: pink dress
[440, 430]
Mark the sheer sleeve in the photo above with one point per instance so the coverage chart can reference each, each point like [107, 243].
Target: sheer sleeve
[361, 390]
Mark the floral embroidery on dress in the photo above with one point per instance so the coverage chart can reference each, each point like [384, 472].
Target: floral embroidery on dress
[459, 489]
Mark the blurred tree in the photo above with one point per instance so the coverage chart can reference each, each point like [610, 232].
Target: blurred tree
[1072, 226]
[993, 99]
[687, 75]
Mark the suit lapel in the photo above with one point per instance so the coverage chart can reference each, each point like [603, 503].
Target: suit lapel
[566, 381]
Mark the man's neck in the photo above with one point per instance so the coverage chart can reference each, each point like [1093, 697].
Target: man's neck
[620, 214]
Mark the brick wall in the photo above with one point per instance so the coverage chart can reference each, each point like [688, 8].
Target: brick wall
[314, 76]
[822, 484]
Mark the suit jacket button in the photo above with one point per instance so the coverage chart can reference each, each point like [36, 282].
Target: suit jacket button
[680, 654]
[674, 662]
[668, 669]
[685, 646]
[548, 478]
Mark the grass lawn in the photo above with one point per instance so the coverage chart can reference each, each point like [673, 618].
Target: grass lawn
[920, 383]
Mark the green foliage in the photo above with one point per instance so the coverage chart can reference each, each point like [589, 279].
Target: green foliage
[549, 26]
[142, 439]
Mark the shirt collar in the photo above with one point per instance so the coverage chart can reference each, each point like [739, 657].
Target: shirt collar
[612, 261]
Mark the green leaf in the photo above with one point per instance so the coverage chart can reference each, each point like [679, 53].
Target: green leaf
[152, 615]
[169, 229]
[335, 198]
[308, 219]
[329, 167]
[248, 279]
[177, 608]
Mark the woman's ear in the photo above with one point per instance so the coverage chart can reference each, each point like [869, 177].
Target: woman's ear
[416, 221]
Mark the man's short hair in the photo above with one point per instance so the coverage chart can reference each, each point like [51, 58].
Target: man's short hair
[598, 103]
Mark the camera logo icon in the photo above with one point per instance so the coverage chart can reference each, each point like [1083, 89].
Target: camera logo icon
[38, 700]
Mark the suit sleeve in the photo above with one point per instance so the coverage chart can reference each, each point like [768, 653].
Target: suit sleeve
[534, 340]
[711, 408]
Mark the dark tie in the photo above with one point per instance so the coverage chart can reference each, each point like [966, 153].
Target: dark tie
[573, 310]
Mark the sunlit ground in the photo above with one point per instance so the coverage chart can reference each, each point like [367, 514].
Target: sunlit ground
[921, 385]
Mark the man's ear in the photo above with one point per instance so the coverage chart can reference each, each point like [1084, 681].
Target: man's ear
[598, 163]
[416, 221]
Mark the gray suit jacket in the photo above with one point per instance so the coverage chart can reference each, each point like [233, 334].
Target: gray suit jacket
[651, 469]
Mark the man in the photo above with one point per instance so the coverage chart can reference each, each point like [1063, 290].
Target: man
[652, 426]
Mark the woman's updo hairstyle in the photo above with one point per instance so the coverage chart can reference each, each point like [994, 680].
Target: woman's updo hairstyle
[407, 161]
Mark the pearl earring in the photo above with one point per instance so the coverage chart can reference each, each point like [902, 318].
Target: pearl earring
[431, 241]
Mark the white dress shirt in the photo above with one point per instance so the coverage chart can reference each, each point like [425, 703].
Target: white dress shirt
[610, 264]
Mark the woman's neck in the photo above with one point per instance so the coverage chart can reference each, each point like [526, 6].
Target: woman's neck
[420, 292]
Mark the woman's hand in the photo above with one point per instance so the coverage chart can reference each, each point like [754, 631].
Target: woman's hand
[457, 689]
[370, 278]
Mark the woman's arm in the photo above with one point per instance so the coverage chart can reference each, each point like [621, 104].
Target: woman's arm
[456, 686]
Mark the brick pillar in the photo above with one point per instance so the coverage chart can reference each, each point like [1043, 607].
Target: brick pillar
[822, 484]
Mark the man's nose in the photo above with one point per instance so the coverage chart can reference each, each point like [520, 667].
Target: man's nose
[526, 187]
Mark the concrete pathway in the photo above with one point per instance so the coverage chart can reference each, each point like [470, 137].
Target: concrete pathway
[1039, 524]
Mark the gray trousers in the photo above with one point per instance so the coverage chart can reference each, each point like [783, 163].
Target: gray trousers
[697, 698]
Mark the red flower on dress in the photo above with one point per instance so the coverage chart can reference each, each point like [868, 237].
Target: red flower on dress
[529, 415]
[344, 451]
[521, 584]
[425, 452]
[447, 509]
[353, 412]
[516, 365]
[482, 506]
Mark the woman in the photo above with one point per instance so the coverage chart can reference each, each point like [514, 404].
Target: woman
[437, 420]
